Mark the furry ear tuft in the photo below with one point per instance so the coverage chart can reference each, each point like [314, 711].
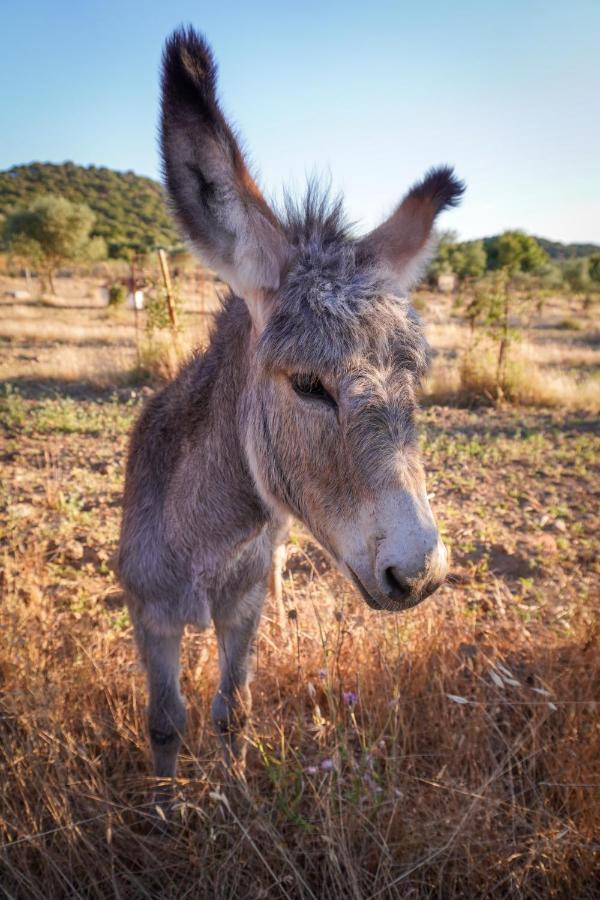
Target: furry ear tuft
[188, 62]
[440, 187]
[402, 243]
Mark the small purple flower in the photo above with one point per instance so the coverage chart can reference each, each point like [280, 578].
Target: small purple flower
[311, 770]
[327, 765]
[349, 698]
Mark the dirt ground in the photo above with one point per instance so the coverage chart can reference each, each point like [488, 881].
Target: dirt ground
[450, 752]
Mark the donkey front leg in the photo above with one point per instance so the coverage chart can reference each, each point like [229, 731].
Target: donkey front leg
[166, 710]
[232, 703]
[276, 584]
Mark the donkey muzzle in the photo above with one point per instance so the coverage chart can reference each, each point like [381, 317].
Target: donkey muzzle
[394, 588]
[404, 587]
[393, 551]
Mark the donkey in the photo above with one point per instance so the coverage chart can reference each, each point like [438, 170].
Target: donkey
[302, 406]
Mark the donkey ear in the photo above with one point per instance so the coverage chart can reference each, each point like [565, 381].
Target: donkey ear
[214, 198]
[403, 242]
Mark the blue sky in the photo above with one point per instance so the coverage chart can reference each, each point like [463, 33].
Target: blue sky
[370, 94]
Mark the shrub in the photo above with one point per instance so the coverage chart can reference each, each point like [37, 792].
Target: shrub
[570, 324]
[117, 294]
[159, 357]
[522, 381]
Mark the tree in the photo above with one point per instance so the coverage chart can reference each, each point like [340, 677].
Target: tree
[547, 280]
[491, 305]
[576, 272]
[515, 252]
[469, 260]
[51, 232]
[549, 276]
[594, 269]
[465, 260]
[440, 264]
[578, 275]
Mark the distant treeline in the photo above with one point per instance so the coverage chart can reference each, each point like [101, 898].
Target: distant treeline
[556, 250]
[130, 212]
[520, 256]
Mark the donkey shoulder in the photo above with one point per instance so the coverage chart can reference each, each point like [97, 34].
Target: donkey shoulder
[150, 567]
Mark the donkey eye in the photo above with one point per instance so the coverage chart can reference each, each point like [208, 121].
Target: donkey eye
[309, 387]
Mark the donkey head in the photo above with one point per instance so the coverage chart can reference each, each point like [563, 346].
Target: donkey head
[335, 352]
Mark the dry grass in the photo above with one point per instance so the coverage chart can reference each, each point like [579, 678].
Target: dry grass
[161, 354]
[437, 782]
[450, 752]
[74, 338]
[542, 375]
[523, 381]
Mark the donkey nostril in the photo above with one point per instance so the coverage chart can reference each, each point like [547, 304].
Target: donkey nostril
[398, 586]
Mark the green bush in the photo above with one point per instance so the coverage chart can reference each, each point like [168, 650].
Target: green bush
[117, 294]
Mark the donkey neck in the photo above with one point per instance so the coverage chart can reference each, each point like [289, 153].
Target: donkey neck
[226, 503]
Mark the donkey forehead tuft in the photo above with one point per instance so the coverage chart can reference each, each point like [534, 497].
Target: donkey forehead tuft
[335, 307]
[318, 216]
[333, 311]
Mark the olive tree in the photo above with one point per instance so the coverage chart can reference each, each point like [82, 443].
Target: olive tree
[51, 232]
[594, 269]
[466, 260]
[495, 301]
[515, 252]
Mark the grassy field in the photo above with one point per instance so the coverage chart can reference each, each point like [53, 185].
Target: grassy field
[453, 751]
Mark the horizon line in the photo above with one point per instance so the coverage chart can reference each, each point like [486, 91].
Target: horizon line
[158, 181]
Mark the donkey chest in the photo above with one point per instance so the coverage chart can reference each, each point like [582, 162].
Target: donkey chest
[226, 576]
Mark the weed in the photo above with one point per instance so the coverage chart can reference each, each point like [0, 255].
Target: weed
[13, 411]
[570, 324]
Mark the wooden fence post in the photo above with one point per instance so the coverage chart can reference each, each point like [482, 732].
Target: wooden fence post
[164, 268]
[133, 284]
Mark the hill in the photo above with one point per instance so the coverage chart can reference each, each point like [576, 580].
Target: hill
[556, 250]
[130, 209]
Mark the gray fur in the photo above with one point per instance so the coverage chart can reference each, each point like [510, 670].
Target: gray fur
[227, 453]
